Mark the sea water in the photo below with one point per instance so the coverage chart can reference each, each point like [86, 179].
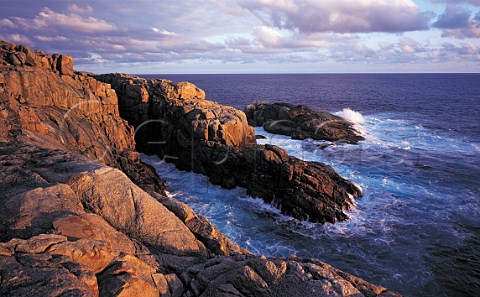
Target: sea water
[417, 227]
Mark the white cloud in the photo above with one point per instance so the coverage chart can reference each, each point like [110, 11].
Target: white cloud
[6, 23]
[163, 32]
[74, 8]
[242, 32]
[48, 19]
[51, 38]
[341, 16]
[17, 38]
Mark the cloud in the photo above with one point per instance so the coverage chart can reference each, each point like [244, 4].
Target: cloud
[51, 38]
[163, 32]
[340, 16]
[6, 23]
[459, 23]
[472, 2]
[234, 33]
[74, 8]
[454, 17]
[50, 20]
[17, 38]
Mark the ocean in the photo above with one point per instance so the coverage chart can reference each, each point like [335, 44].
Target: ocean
[416, 230]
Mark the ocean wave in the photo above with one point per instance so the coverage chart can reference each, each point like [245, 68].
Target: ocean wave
[352, 116]
[355, 117]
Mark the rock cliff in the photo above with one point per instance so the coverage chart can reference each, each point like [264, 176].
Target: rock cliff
[83, 216]
[301, 122]
[175, 121]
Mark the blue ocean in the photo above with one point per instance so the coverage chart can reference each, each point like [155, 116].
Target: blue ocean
[416, 230]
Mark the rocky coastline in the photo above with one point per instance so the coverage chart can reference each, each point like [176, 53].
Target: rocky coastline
[300, 122]
[177, 123]
[84, 216]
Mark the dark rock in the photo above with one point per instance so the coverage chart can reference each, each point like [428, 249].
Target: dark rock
[258, 276]
[301, 122]
[323, 146]
[71, 225]
[205, 137]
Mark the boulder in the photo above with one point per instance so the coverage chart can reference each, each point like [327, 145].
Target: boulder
[53, 265]
[134, 212]
[65, 65]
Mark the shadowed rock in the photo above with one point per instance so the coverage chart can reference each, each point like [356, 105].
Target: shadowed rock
[301, 122]
[206, 137]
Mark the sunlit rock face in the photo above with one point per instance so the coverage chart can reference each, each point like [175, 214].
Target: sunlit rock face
[83, 216]
[176, 122]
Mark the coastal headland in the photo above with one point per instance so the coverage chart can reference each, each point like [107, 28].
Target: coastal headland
[84, 216]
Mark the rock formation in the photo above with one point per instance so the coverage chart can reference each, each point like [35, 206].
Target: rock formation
[178, 124]
[301, 122]
[83, 216]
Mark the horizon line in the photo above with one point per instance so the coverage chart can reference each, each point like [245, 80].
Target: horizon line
[301, 73]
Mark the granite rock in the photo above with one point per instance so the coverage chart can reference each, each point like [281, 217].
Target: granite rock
[301, 121]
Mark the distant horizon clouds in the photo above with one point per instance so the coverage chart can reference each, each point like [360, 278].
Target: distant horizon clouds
[251, 36]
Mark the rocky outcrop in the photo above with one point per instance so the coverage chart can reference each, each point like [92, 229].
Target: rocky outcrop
[222, 276]
[301, 122]
[205, 137]
[74, 224]
[45, 102]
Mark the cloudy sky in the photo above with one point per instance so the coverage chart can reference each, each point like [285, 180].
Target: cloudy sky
[251, 36]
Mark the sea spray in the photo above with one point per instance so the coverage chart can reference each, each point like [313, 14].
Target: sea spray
[352, 116]
[355, 117]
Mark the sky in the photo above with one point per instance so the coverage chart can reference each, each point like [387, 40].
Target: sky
[251, 36]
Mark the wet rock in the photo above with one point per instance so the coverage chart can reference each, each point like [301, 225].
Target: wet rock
[301, 122]
[205, 137]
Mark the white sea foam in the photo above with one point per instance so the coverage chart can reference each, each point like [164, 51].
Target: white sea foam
[355, 117]
[358, 187]
[352, 116]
